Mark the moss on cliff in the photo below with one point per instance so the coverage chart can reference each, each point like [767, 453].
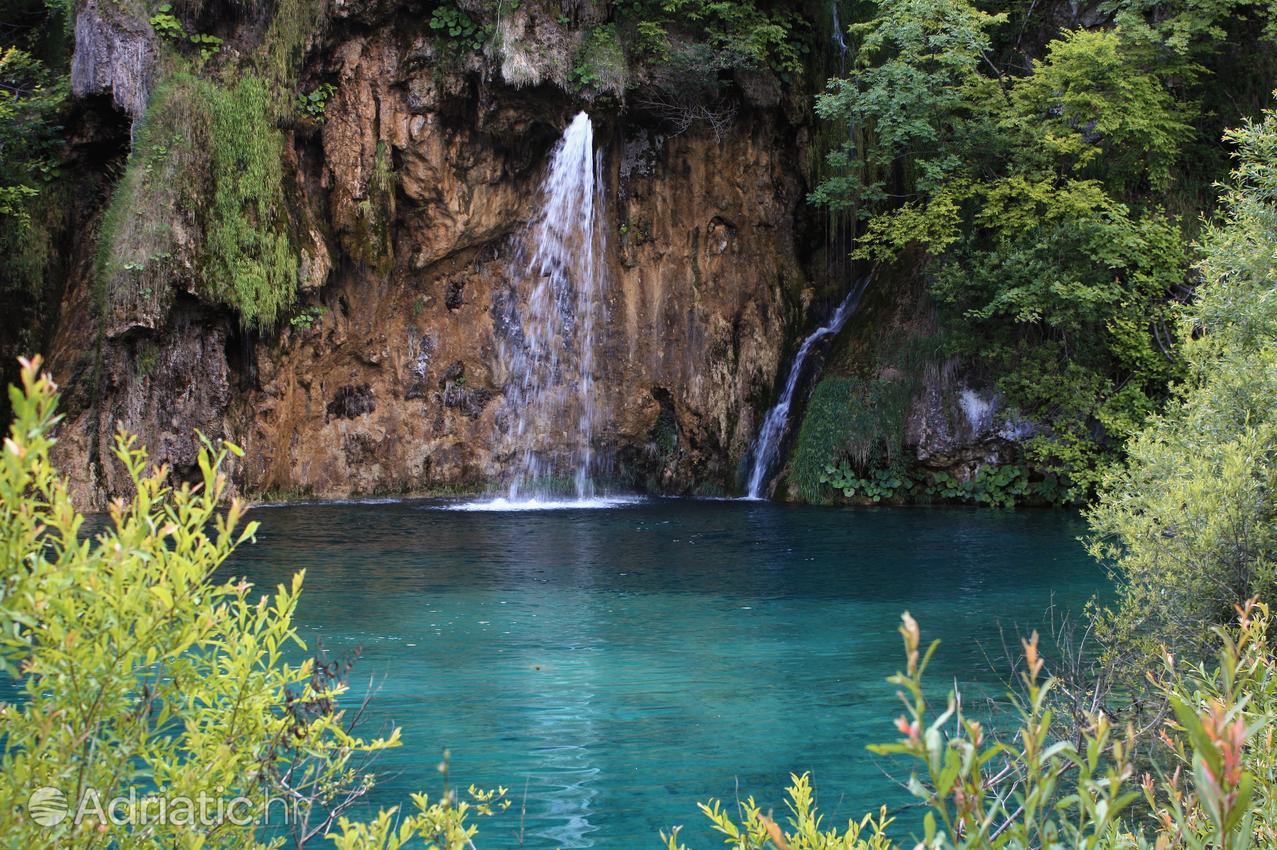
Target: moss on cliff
[600, 62]
[251, 262]
[201, 203]
[859, 410]
[147, 232]
[861, 419]
[295, 24]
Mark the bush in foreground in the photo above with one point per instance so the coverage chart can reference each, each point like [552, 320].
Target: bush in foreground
[137, 671]
[1188, 524]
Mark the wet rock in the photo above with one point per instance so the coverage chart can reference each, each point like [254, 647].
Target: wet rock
[114, 54]
[954, 428]
[453, 297]
[639, 157]
[454, 373]
[760, 86]
[419, 350]
[316, 263]
[359, 448]
[469, 400]
[161, 387]
[350, 402]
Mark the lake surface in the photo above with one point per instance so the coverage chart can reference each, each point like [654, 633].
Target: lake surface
[617, 666]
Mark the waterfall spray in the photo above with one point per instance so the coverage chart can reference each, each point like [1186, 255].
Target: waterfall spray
[550, 352]
[776, 423]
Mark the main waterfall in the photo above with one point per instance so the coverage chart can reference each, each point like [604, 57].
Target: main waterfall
[550, 350]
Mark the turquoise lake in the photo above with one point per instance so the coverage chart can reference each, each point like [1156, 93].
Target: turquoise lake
[613, 667]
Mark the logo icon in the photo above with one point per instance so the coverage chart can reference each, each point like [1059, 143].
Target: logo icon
[47, 806]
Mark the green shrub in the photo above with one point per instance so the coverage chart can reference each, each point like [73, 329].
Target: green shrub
[313, 104]
[877, 485]
[462, 32]
[305, 319]
[736, 33]
[998, 486]
[651, 40]
[739, 32]
[137, 671]
[1188, 526]
[166, 25]
[600, 63]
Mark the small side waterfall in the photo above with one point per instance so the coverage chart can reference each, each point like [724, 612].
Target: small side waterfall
[550, 349]
[840, 40]
[776, 423]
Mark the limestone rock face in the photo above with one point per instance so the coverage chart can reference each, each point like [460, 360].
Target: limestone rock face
[114, 55]
[954, 428]
[388, 379]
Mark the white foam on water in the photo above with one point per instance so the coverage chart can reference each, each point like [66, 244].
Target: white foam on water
[504, 505]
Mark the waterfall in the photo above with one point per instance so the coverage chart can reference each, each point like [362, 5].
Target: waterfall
[550, 346]
[840, 40]
[767, 444]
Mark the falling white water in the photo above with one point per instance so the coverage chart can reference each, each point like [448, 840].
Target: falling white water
[767, 444]
[550, 349]
[840, 41]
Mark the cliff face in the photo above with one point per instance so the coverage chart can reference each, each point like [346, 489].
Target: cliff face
[403, 202]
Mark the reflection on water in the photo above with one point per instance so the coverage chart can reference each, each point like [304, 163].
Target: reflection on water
[623, 664]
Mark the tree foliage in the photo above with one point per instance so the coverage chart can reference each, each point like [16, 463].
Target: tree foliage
[33, 94]
[1047, 185]
[738, 32]
[30, 96]
[1189, 524]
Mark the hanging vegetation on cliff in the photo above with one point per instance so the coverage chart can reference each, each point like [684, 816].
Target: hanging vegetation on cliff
[1053, 178]
[202, 202]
